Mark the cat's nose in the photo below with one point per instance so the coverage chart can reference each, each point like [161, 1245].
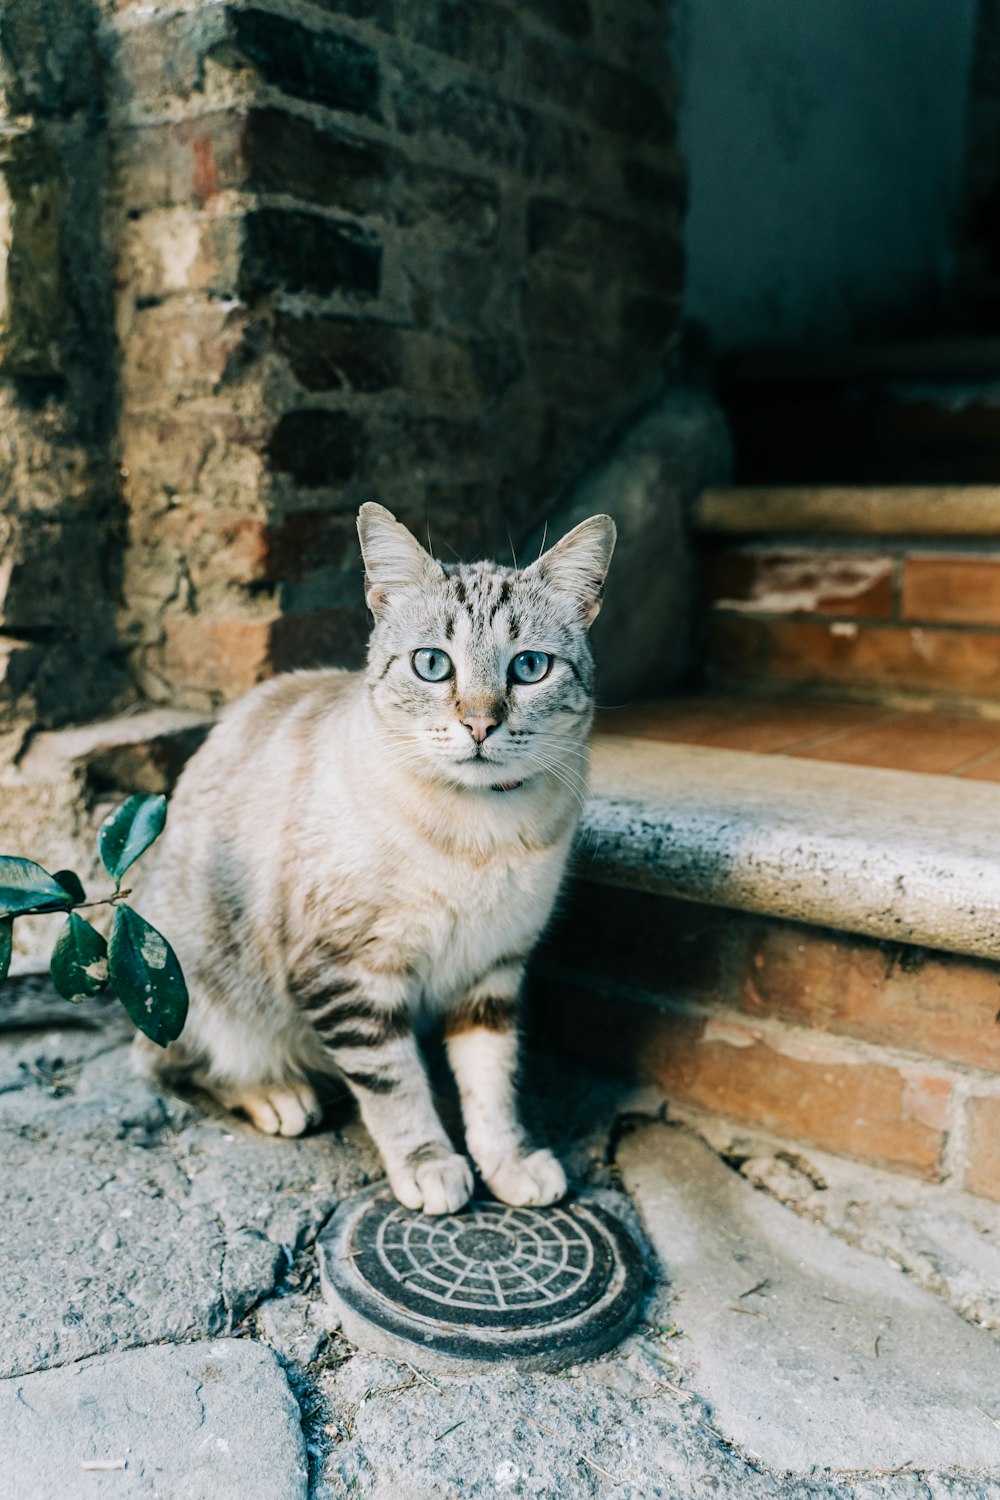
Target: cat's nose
[479, 727]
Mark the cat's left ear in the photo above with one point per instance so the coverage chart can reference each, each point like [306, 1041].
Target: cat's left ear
[578, 565]
[393, 556]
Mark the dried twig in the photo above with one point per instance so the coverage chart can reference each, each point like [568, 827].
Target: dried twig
[758, 1288]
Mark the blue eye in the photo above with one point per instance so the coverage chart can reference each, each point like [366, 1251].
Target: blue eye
[530, 666]
[431, 664]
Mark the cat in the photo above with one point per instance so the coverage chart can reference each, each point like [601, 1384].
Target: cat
[351, 854]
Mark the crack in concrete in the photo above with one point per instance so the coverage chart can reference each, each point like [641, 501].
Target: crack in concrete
[201, 1405]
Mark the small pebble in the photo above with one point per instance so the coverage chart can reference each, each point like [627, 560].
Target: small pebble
[108, 1240]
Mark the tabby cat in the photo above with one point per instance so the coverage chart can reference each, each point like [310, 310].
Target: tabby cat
[351, 855]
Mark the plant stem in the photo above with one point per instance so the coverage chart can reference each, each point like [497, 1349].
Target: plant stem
[53, 911]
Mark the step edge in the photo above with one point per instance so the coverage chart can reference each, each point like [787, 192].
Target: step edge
[904, 510]
[867, 865]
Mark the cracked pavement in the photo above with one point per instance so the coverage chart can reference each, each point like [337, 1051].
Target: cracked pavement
[165, 1335]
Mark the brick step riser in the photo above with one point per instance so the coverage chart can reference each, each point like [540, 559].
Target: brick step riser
[869, 1050]
[867, 616]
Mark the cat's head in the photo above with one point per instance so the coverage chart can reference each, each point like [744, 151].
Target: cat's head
[482, 675]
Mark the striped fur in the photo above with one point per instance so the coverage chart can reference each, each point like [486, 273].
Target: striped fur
[344, 861]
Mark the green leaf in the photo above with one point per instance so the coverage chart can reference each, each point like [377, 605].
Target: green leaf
[6, 945]
[25, 886]
[129, 831]
[146, 977]
[79, 965]
[71, 883]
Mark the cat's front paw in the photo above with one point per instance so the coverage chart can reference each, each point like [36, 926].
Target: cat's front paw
[528, 1181]
[439, 1185]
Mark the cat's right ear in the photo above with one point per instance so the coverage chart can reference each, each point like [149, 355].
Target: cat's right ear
[393, 557]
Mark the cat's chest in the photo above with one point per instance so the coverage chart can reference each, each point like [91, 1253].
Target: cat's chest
[462, 919]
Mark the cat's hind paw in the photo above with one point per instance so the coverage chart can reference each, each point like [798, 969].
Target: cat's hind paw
[438, 1185]
[528, 1181]
[277, 1108]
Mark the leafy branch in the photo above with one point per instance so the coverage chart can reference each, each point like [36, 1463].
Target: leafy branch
[136, 963]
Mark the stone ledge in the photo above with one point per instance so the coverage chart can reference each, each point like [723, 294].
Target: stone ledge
[890, 854]
[912, 510]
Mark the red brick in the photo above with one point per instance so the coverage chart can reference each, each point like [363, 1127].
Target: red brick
[866, 1109]
[869, 1109]
[188, 345]
[216, 455]
[945, 660]
[942, 1006]
[240, 549]
[226, 656]
[982, 1173]
[952, 590]
[165, 164]
[173, 251]
[223, 657]
[766, 581]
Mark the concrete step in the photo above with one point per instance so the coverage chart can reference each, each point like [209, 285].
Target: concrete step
[839, 1364]
[892, 854]
[808, 510]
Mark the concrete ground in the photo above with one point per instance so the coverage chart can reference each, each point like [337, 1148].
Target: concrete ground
[812, 1328]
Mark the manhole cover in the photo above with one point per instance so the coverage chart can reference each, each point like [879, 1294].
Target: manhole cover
[542, 1286]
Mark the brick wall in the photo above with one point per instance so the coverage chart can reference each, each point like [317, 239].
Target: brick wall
[867, 618]
[871, 1050]
[406, 250]
[59, 520]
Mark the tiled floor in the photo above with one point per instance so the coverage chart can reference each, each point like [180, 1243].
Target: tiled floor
[853, 733]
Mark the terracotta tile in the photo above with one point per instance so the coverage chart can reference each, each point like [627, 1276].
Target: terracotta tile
[932, 743]
[778, 726]
[735, 724]
[952, 590]
[803, 581]
[915, 657]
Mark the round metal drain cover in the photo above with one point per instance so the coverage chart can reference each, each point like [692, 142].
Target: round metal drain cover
[542, 1286]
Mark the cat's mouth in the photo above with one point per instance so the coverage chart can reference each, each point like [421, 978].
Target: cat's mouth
[506, 786]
